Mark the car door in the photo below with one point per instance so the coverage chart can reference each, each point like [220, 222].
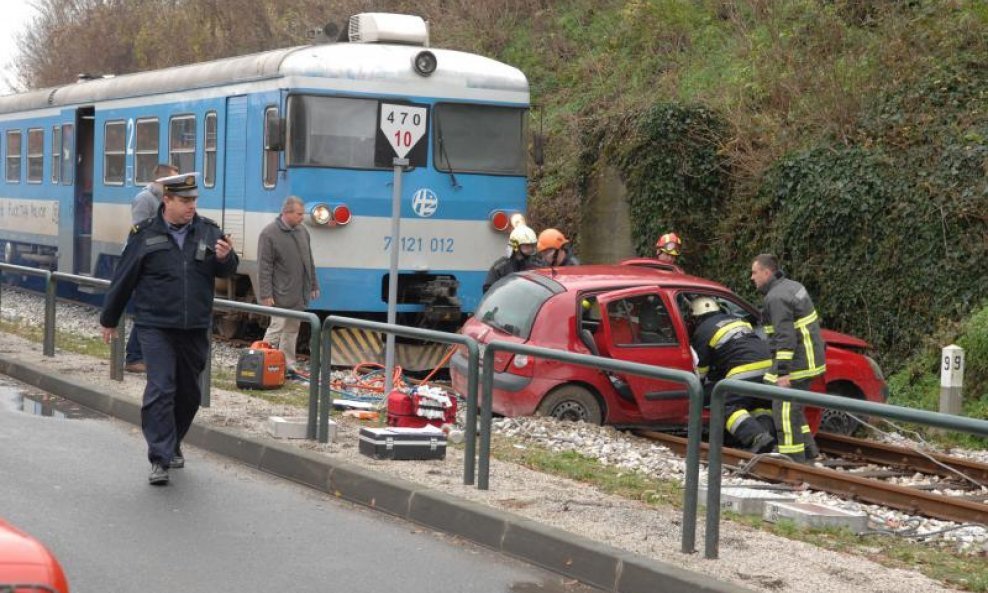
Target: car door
[641, 325]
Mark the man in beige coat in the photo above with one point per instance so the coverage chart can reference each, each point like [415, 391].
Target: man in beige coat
[286, 274]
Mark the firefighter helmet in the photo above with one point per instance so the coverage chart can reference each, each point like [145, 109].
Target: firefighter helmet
[669, 243]
[522, 235]
[551, 239]
[703, 305]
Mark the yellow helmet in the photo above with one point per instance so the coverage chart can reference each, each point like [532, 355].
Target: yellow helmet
[522, 235]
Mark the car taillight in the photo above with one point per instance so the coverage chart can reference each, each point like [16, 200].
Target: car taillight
[522, 364]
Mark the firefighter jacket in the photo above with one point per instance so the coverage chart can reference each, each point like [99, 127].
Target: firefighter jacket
[793, 330]
[172, 286]
[506, 265]
[728, 347]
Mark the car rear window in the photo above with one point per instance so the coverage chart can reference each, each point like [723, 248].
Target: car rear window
[511, 305]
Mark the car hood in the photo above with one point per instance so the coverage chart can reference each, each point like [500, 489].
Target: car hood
[832, 338]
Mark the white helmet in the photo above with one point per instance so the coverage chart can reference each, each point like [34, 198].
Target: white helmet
[522, 235]
[703, 305]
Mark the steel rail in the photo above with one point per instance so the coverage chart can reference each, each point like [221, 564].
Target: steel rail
[902, 457]
[843, 484]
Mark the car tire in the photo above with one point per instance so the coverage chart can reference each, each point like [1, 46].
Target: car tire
[837, 421]
[571, 402]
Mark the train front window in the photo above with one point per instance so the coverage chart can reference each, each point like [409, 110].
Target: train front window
[479, 139]
[331, 131]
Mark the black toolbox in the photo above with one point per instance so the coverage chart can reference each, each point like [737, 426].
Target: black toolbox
[427, 442]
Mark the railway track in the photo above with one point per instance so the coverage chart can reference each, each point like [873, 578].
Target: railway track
[852, 475]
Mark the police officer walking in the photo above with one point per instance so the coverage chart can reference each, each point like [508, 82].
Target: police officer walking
[170, 265]
[793, 329]
[728, 348]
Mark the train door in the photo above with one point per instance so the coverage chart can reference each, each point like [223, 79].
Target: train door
[235, 170]
[82, 223]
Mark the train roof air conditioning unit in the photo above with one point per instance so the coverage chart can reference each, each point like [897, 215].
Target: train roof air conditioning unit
[383, 27]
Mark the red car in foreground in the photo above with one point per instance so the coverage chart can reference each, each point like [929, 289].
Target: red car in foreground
[26, 566]
[626, 312]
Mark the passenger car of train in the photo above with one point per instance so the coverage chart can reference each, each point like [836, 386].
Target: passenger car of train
[303, 121]
[595, 310]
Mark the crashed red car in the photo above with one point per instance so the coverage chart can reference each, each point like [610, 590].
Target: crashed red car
[595, 310]
[26, 566]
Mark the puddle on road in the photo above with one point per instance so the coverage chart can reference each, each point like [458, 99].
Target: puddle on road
[45, 404]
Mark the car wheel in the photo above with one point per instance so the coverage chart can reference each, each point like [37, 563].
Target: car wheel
[573, 403]
[837, 421]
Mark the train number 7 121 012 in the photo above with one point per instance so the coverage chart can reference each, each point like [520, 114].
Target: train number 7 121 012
[423, 244]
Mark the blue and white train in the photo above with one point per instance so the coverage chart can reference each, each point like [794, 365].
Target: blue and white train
[304, 121]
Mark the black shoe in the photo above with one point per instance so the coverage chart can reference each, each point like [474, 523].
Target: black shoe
[158, 475]
[762, 443]
[178, 460]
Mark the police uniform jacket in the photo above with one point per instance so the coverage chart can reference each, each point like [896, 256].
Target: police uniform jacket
[793, 330]
[728, 347]
[172, 287]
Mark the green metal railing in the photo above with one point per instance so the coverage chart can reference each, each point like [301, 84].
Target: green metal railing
[48, 343]
[473, 361]
[822, 400]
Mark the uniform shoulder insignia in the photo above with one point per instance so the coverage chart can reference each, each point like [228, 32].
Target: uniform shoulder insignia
[141, 226]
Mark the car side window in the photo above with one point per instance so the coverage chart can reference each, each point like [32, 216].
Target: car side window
[640, 320]
[729, 306]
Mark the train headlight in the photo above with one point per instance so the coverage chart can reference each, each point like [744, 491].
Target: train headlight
[424, 62]
[321, 214]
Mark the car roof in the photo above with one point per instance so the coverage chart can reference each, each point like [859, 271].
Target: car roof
[597, 277]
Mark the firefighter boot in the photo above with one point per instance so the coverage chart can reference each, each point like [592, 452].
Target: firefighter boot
[749, 432]
[810, 447]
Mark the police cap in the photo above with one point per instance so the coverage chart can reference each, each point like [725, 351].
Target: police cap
[182, 185]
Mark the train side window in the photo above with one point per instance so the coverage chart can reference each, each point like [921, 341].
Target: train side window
[182, 143]
[56, 155]
[114, 152]
[35, 155]
[209, 150]
[13, 156]
[147, 131]
[270, 156]
[68, 163]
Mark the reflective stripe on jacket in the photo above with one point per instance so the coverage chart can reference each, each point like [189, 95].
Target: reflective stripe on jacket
[727, 346]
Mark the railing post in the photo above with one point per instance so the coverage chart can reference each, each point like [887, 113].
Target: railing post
[315, 373]
[320, 408]
[470, 445]
[714, 456]
[484, 463]
[48, 347]
[691, 491]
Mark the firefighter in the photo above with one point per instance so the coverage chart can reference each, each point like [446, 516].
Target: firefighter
[793, 329]
[555, 250]
[668, 247]
[728, 347]
[521, 242]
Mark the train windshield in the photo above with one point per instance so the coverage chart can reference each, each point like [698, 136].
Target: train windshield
[479, 139]
[331, 132]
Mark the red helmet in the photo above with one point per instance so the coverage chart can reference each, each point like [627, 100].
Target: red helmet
[669, 243]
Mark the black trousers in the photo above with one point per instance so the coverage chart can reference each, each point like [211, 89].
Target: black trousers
[175, 358]
[792, 431]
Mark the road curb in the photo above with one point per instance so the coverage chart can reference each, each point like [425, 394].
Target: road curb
[562, 552]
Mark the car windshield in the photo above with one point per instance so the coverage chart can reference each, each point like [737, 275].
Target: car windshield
[511, 305]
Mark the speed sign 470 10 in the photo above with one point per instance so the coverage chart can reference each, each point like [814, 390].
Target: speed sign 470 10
[401, 128]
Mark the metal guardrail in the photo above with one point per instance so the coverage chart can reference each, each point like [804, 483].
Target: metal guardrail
[473, 362]
[770, 392]
[691, 381]
[48, 343]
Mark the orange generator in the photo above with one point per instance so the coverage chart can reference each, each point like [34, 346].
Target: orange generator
[261, 367]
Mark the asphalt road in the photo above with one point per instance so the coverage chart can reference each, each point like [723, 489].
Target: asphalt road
[80, 486]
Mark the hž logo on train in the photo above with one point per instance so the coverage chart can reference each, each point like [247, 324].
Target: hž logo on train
[425, 202]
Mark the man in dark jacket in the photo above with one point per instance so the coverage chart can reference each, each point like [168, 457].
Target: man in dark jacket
[522, 242]
[286, 274]
[728, 348]
[793, 330]
[169, 266]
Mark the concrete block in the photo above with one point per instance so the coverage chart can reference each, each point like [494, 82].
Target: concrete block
[815, 515]
[746, 501]
[294, 427]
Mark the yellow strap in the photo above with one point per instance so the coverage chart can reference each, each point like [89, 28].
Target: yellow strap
[751, 366]
[804, 321]
[769, 329]
[784, 354]
[736, 418]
